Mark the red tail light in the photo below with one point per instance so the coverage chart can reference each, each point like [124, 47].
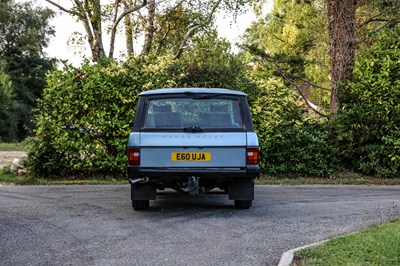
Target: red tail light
[134, 156]
[252, 155]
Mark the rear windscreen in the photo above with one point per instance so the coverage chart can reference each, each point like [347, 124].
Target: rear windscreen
[201, 113]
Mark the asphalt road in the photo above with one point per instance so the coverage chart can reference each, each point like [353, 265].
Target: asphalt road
[96, 225]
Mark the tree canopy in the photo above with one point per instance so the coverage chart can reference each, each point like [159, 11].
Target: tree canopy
[312, 44]
[24, 33]
[162, 24]
[292, 43]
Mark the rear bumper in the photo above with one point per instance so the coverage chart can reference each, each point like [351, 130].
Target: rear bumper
[249, 173]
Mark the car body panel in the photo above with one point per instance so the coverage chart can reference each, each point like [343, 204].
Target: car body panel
[134, 139]
[252, 139]
[191, 90]
[226, 149]
[220, 157]
[174, 139]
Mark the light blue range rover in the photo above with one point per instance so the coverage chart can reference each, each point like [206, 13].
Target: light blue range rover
[192, 140]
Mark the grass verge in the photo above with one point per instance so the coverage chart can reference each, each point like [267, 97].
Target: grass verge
[10, 178]
[376, 245]
[343, 179]
[20, 146]
[7, 178]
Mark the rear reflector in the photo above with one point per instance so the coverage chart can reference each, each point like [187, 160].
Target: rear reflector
[133, 156]
[252, 155]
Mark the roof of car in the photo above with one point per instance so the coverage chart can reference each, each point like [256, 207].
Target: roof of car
[193, 90]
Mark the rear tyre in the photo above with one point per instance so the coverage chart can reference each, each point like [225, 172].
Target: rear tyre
[140, 205]
[243, 204]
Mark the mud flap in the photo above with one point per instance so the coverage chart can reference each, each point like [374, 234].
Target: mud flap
[145, 191]
[241, 191]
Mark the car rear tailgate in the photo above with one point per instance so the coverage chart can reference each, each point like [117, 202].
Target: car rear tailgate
[205, 149]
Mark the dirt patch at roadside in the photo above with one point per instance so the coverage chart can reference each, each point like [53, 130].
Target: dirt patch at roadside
[7, 157]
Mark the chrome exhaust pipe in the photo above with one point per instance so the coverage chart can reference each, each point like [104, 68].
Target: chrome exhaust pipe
[139, 180]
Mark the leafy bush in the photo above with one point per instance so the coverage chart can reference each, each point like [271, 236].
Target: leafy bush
[85, 116]
[271, 105]
[300, 147]
[368, 126]
[290, 142]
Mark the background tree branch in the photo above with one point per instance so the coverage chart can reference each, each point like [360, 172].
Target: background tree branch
[195, 27]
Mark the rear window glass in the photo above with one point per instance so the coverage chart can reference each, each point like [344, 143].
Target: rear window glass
[214, 113]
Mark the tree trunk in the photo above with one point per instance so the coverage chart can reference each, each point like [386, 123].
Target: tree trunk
[117, 19]
[89, 13]
[128, 35]
[90, 16]
[149, 28]
[342, 19]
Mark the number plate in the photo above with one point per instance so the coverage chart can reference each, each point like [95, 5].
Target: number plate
[191, 156]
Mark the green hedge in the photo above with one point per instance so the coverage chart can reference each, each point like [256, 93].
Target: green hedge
[291, 141]
[367, 129]
[86, 114]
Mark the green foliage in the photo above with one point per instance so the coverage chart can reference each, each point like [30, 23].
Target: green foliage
[17, 146]
[8, 104]
[273, 105]
[300, 147]
[378, 14]
[368, 126]
[24, 32]
[212, 65]
[290, 142]
[174, 23]
[85, 116]
[86, 113]
[294, 40]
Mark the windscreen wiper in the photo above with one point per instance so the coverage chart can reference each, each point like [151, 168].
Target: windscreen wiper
[193, 129]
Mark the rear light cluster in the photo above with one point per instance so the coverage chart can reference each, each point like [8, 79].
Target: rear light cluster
[133, 156]
[252, 155]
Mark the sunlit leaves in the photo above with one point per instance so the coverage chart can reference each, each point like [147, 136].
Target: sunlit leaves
[371, 108]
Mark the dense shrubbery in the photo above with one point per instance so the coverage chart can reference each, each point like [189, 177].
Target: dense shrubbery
[290, 141]
[363, 137]
[368, 128]
[300, 147]
[85, 115]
